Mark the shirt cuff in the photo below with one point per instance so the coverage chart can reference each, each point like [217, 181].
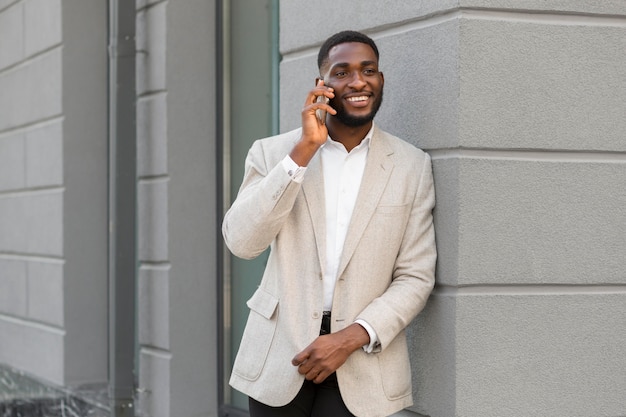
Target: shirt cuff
[369, 348]
[293, 170]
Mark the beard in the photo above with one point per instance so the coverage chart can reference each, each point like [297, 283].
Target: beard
[355, 121]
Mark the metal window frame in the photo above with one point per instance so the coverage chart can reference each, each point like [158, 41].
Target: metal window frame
[122, 268]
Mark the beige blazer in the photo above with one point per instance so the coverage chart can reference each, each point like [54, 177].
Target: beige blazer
[385, 275]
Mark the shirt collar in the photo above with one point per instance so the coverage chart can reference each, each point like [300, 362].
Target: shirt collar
[365, 143]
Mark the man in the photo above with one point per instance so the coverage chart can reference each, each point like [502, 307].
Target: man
[347, 211]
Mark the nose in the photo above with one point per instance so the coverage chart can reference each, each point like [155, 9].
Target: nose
[357, 82]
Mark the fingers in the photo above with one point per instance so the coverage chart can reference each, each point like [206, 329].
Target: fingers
[316, 376]
[320, 95]
[316, 103]
[306, 366]
[313, 368]
[313, 372]
[317, 107]
[321, 376]
[300, 358]
[320, 91]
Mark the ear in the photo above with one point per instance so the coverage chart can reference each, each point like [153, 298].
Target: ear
[382, 77]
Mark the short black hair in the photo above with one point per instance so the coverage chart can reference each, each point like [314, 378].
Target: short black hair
[343, 37]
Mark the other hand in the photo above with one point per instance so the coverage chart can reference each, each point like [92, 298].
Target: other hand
[328, 352]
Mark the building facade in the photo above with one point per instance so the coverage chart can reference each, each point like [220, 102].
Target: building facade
[521, 105]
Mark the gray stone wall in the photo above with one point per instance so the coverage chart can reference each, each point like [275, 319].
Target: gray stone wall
[53, 189]
[152, 164]
[521, 105]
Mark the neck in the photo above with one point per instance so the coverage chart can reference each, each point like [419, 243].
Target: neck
[348, 136]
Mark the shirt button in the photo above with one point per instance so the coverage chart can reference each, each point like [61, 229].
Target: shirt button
[316, 315]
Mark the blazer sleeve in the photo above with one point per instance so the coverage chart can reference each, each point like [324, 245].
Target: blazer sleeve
[414, 270]
[264, 201]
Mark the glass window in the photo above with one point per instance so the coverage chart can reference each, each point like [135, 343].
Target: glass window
[250, 102]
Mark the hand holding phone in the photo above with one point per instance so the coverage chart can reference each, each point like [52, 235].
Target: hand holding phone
[314, 129]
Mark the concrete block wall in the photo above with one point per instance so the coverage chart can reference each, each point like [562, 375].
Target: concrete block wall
[53, 246]
[521, 105]
[154, 276]
[177, 324]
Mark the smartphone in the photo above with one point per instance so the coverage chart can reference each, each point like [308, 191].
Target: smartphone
[321, 114]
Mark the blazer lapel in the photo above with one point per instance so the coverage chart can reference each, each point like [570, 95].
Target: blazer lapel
[313, 190]
[375, 177]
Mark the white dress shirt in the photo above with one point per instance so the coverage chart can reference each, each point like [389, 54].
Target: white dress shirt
[343, 172]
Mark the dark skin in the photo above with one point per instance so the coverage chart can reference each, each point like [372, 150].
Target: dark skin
[353, 84]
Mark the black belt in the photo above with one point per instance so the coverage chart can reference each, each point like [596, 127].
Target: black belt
[325, 327]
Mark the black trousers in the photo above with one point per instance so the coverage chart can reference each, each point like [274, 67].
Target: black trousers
[313, 400]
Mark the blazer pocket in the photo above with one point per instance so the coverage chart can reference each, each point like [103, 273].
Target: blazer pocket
[391, 210]
[395, 369]
[263, 303]
[384, 230]
[257, 335]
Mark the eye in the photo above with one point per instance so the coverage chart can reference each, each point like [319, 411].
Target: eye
[341, 74]
[370, 71]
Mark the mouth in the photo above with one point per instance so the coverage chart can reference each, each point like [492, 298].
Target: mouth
[358, 101]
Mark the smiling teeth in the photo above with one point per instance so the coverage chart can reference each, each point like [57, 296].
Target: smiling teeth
[362, 98]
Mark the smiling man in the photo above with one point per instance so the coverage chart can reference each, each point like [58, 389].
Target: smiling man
[346, 209]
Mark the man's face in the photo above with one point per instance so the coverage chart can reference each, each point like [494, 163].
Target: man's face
[352, 71]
